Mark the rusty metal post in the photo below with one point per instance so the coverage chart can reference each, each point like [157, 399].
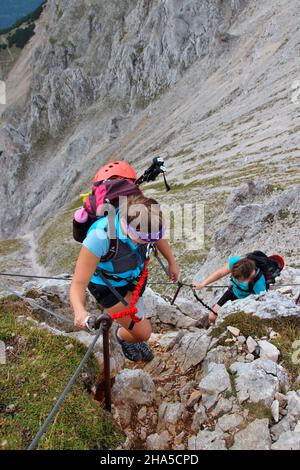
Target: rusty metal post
[106, 321]
[180, 285]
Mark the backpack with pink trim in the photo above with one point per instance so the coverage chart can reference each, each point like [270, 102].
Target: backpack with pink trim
[108, 191]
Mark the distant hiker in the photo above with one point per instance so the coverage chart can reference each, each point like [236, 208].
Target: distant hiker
[252, 274]
[108, 265]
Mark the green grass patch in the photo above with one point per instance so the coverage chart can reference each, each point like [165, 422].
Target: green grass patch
[258, 411]
[37, 370]
[283, 214]
[182, 152]
[57, 250]
[233, 384]
[10, 246]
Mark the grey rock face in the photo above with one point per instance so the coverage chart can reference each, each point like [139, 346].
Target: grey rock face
[293, 407]
[289, 440]
[259, 380]
[116, 55]
[171, 413]
[192, 349]
[250, 220]
[265, 305]
[215, 383]
[158, 441]
[219, 355]
[268, 351]
[251, 345]
[229, 422]
[256, 436]
[280, 428]
[133, 387]
[222, 407]
[199, 418]
[207, 440]
[161, 311]
[192, 310]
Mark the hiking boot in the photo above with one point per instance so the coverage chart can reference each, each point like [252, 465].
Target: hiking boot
[130, 350]
[146, 351]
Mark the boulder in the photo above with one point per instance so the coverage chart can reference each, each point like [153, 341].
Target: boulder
[275, 410]
[228, 423]
[160, 311]
[193, 310]
[158, 441]
[259, 380]
[251, 345]
[280, 428]
[268, 351]
[219, 355]
[207, 440]
[289, 440]
[256, 436]
[133, 387]
[171, 413]
[199, 418]
[266, 305]
[191, 349]
[293, 407]
[223, 406]
[2, 353]
[216, 382]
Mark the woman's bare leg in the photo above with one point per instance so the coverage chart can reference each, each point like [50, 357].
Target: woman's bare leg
[140, 332]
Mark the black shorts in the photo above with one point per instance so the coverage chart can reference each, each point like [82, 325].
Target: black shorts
[228, 295]
[106, 298]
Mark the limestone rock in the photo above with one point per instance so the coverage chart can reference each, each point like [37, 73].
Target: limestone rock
[293, 407]
[229, 422]
[223, 406]
[280, 428]
[267, 305]
[256, 436]
[192, 349]
[251, 344]
[216, 382]
[199, 418]
[289, 440]
[207, 440]
[275, 410]
[171, 413]
[2, 353]
[158, 441]
[234, 331]
[259, 380]
[133, 387]
[268, 351]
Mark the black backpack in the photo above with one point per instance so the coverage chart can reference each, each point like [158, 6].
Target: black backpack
[268, 266]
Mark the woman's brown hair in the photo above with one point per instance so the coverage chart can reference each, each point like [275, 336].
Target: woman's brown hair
[145, 213]
[243, 268]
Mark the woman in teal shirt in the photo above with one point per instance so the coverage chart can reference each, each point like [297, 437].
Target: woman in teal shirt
[246, 279]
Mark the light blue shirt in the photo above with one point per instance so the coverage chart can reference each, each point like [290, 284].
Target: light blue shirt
[259, 286]
[97, 242]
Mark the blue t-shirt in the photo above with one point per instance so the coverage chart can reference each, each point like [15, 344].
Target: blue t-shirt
[97, 242]
[259, 286]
